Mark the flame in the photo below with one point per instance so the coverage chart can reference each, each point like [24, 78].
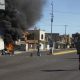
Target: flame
[10, 48]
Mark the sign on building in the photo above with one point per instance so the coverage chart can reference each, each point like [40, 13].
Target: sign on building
[2, 4]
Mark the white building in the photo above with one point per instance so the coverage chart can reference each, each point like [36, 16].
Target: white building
[34, 38]
[1, 43]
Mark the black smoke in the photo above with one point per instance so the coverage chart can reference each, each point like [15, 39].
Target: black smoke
[20, 15]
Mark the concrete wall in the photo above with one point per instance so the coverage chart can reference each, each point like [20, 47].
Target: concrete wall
[1, 43]
[42, 33]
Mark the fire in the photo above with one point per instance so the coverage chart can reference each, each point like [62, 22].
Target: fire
[10, 48]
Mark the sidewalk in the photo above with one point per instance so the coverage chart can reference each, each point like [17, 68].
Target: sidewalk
[55, 52]
[19, 52]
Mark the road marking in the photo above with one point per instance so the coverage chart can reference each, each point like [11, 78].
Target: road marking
[64, 52]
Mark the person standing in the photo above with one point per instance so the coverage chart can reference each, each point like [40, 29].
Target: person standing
[38, 50]
[77, 45]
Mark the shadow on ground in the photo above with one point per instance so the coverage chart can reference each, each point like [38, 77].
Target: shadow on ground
[59, 70]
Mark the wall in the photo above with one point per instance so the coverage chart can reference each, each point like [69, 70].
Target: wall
[42, 35]
[1, 43]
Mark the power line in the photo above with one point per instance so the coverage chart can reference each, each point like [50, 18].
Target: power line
[65, 26]
[65, 12]
[68, 25]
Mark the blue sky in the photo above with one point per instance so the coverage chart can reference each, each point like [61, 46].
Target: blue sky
[66, 12]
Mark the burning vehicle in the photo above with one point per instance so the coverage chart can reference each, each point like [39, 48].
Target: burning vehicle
[6, 48]
[10, 48]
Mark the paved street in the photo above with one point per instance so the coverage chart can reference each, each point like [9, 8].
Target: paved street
[45, 67]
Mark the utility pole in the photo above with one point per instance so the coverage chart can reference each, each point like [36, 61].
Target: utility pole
[51, 40]
[65, 29]
[65, 35]
[51, 18]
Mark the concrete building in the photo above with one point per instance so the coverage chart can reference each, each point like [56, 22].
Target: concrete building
[74, 38]
[65, 41]
[60, 41]
[34, 37]
[55, 38]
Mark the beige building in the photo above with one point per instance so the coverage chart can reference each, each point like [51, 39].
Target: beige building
[32, 38]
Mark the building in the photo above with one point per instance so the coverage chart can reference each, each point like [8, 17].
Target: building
[59, 41]
[74, 38]
[32, 38]
[55, 38]
[65, 41]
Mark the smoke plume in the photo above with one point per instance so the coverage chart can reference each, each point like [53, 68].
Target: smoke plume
[20, 15]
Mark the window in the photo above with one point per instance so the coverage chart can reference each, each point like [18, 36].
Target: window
[42, 36]
[30, 36]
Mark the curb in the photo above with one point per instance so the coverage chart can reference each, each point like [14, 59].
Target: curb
[19, 52]
[64, 52]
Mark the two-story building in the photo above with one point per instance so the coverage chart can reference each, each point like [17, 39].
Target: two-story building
[54, 37]
[35, 37]
[32, 38]
[59, 41]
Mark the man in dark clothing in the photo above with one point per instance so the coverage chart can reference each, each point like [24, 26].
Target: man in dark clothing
[38, 50]
[77, 45]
